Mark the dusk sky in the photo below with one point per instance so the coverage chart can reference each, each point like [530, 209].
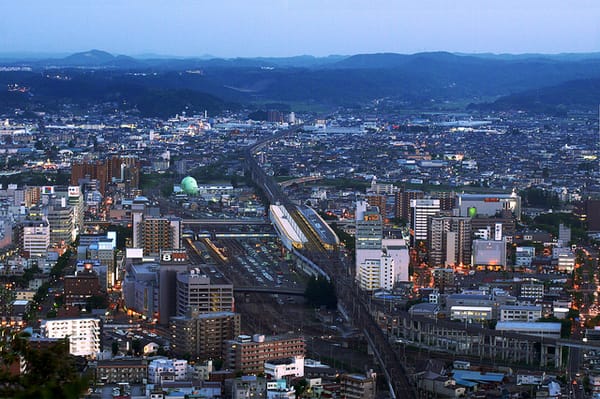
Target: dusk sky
[245, 28]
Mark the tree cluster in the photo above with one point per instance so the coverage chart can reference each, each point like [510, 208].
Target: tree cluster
[321, 292]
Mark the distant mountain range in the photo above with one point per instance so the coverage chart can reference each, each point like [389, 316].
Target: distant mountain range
[534, 82]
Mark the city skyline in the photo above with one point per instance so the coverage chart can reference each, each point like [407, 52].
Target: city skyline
[289, 28]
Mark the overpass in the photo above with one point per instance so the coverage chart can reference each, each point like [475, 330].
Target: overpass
[225, 222]
[300, 180]
[269, 290]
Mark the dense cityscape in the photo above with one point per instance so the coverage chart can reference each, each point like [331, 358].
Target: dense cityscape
[400, 223]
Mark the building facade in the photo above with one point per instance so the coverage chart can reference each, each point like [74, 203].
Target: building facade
[203, 336]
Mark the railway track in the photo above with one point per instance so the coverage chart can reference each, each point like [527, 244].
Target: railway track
[396, 376]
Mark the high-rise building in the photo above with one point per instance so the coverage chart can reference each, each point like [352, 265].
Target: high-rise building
[369, 226]
[379, 201]
[449, 241]
[369, 233]
[34, 237]
[564, 234]
[90, 170]
[382, 268]
[125, 169]
[32, 196]
[590, 211]
[422, 210]
[402, 208]
[154, 234]
[379, 262]
[447, 199]
[196, 292]
[248, 354]
[202, 336]
[60, 219]
[81, 286]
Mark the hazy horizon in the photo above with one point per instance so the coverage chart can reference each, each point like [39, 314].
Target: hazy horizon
[284, 28]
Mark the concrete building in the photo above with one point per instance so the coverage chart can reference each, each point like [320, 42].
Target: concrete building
[154, 234]
[566, 262]
[196, 292]
[379, 201]
[249, 354]
[358, 386]
[489, 254]
[203, 336]
[450, 241]
[471, 313]
[174, 367]
[81, 286]
[35, 237]
[292, 367]
[402, 203]
[422, 210]
[520, 313]
[83, 334]
[489, 204]
[247, 387]
[114, 371]
[532, 291]
[61, 221]
[369, 227]
[382, 268]
[524, 256]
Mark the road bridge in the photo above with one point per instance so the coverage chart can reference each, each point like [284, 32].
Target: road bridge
[226, 222]
[270, 290]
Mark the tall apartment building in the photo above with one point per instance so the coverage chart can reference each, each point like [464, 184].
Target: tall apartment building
[61, 221]
[196, 292]
[96, 170]
[380, 201]
[449, 241]
[203, 336]
[402, 203]
[34, 237]
[422, 210]
[248, 354]
[447, 199]
[124, 169]
[83, 334]
[154, 234]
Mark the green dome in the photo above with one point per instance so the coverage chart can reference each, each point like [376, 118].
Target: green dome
[189, 185]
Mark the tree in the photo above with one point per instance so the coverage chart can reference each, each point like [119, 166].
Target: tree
[321, 292]
[51, 371]
[115, 348]
[300, 387]
[136, 347]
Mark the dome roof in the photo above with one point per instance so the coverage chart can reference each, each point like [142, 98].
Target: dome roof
[189, 185]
